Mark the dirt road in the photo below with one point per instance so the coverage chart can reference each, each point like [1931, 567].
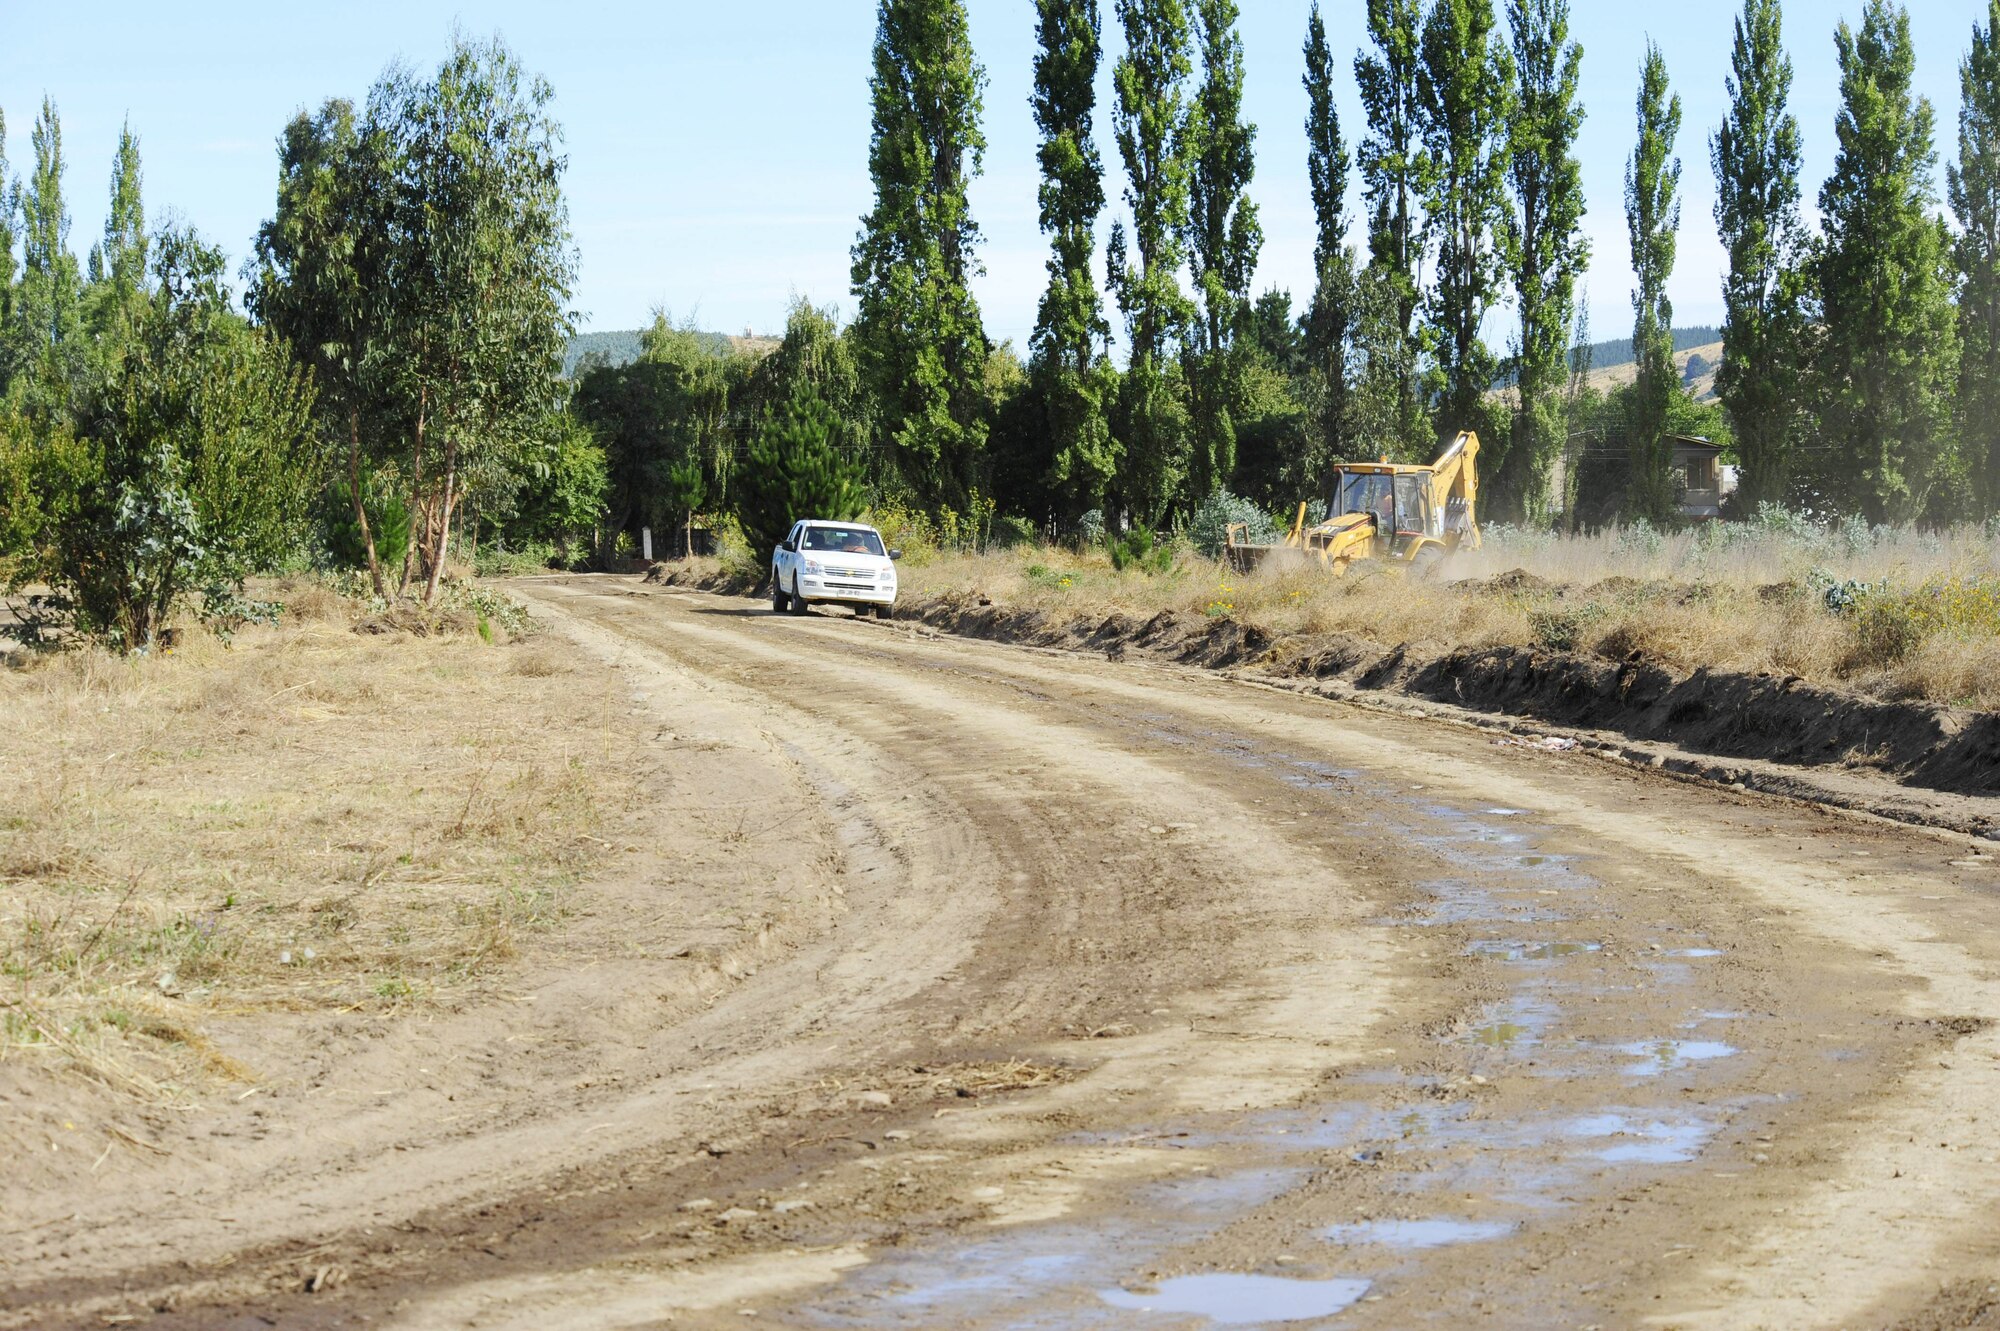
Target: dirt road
[958, 985]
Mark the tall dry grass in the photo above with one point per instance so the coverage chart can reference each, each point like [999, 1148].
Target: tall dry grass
[306, 818]
[1913, 615]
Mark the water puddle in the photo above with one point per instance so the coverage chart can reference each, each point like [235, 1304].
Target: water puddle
[1648, 1143]
[1417, 1234]
[1235, 1300]
[1658, 1056]
[1515, 951]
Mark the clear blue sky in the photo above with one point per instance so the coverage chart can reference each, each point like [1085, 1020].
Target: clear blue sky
[718, 151]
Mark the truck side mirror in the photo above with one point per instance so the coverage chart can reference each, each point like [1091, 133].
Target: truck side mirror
[895, 554]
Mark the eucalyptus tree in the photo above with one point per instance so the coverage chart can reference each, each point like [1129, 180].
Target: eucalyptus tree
[917, 324]
[1152, 133]
[1330, 317]
[321, 282]
[1464, 88]
[1756, 159]
[1072, 377]
[1653, 219]
[1973, 187]
[1544, 246]
[1889, 340]
[1224, 238]
[476, 279]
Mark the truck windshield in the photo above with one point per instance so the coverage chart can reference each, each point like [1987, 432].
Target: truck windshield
[843, 541]
[1366, 492]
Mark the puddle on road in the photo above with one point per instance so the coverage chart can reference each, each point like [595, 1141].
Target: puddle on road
[1658, 1056]
[1651, 1142]
[1233, 1300]
[1417, 1234]
[1496, 881]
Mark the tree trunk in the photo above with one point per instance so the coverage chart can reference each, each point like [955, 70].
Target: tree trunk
[443, 546]
[416, 492]
[360, 508]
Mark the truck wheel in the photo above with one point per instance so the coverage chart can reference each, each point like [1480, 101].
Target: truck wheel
[885, 612]
[798, 606]
[779, 601]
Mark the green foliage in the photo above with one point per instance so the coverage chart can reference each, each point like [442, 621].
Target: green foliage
[563, 477]
[45, 338]
[923, 350]
[1073, 382]
[1138, 551]
[388, 523]
[1153, 142]
[1891, 623]
[1973, 188]
[1464, 87]
[1543, 245]
[1653, 217]
[1756, 160]
[1208, 527]
[1224, 239]
[118, 265]
[1395, 174]
[180, 478]
[796, 469]
[1330, 318]
[1889, 348]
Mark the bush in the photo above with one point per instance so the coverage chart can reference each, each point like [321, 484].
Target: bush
[1209, 527]
[1136, 550]
[1891, 624]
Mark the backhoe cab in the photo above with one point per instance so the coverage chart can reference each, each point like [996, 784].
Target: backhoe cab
[1409, 516]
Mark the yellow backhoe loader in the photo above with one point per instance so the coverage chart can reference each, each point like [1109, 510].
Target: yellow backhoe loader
[1408, 516]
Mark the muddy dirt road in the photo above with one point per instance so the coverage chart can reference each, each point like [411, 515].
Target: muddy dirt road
[958, 985]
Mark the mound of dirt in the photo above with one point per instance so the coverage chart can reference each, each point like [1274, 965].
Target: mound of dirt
[1770, 717]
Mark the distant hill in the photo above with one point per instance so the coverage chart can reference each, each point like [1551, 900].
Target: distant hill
[1618, 351]
[623, 347]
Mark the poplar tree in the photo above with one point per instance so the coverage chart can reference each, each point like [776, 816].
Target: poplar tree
[1544, 246]
[1073, 378]
[1973, 187]
[9, 206]
[917, 325]
[49, 303]
[1756, 159]
[1151, 129]
[1889, 341]
[1224, 237]
[1653, 218]
[117, 266]
[1463, 84]
[1331, 316]
[1395, 175]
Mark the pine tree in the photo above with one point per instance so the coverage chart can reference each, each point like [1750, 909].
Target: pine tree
[1544, 244]
[1151, 127]
[1330, 317]
[1224, 238]
[1395, 173]
[117, 267]
[1464, 86]
[1756, 160]
[48, 308]
[918, 327]
[1653, 216]
[1973, 187]
[1073, 379]
[1889, 342]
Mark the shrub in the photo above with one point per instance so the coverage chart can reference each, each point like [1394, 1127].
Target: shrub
[1208, 529]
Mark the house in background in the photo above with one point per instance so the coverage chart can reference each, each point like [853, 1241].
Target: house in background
[1704, 483]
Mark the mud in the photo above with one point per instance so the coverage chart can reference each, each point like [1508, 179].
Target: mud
[960, 984]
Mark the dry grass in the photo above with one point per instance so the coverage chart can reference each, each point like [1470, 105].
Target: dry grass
[1741, 597]
[309, 818]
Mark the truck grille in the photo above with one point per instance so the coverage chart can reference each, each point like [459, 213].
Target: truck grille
[851, 574]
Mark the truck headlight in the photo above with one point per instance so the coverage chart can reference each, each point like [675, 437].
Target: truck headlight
[813, 567]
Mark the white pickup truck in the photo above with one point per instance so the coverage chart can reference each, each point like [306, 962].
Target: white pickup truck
[833, 563]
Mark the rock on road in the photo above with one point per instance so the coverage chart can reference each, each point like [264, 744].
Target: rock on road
[956, 984]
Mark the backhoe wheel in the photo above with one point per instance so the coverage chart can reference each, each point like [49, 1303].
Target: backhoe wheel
[1425, 562]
